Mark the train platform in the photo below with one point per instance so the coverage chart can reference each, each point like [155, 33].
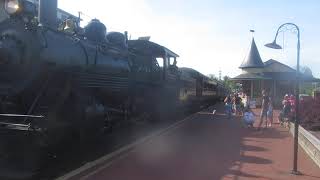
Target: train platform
[207, 146]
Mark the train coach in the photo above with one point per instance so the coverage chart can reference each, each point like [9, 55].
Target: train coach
[198, 89]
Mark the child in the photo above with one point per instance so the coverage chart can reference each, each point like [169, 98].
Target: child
[270, 114]
[248, 117]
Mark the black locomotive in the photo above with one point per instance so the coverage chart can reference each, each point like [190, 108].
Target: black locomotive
[60, 82]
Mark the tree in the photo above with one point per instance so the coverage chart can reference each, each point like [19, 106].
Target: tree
[306, 87]
[305, 70]
[230, 84]
[212, 77]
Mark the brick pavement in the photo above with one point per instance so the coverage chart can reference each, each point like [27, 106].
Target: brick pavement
[211, 147]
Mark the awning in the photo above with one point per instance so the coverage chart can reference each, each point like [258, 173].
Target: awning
[250, 76]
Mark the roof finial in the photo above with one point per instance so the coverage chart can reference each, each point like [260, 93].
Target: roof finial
[252, 32]
[253, 59]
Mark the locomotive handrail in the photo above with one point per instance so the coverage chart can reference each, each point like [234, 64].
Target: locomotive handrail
[19, 127]
[21, 115]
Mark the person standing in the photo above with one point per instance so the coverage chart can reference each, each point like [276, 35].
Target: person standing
[292, 101]
[270, 113]
[286, 109]
[228, 105]
[236, 104]
[264, 108]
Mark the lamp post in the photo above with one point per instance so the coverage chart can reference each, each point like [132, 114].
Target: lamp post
[293, 28]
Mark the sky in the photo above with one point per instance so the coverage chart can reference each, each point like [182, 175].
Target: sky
[212, 35]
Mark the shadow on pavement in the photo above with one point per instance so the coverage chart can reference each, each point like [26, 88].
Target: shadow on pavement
[207, 146]
[242, 174]
[252, 148]
[228, 136]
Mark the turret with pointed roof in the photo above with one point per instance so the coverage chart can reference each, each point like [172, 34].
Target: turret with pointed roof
[253, 59]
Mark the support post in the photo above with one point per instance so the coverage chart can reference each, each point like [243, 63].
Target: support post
[274, 90]
[251, 90]
[297, 118]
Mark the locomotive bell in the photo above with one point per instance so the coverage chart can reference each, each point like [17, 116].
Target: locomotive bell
[47, 13]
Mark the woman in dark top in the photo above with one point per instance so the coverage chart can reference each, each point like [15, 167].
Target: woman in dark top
[264, 108]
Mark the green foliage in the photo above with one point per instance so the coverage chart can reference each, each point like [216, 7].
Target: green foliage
[310, 114]
[307, 88]
[305, 70]
[230, 84]
[212, 77]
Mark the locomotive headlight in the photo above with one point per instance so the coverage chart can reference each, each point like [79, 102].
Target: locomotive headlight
[12, 6]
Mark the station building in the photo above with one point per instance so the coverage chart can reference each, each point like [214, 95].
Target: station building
[273, 76]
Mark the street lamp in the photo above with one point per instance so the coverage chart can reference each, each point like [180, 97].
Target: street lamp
[293, 28]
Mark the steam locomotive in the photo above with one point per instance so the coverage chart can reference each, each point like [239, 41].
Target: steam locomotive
[63, 81]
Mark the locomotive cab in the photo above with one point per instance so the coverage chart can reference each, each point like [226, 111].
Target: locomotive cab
[155, 76]
[154, 59]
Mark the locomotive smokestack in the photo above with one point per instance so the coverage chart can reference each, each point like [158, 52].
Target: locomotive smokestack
[48, 13]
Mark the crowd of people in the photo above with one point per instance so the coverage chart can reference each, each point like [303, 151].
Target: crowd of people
[237, 106]
[234, 104]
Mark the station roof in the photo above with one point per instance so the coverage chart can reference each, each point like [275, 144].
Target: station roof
[271, 62]
[150, 48]
[253, 59]
[290, 76]
[251, 76]
[278, 76]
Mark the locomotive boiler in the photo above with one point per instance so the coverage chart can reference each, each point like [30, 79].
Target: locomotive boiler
[55, 83]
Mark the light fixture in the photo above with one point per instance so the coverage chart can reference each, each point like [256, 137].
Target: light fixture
[273, 45]
[12, 6]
